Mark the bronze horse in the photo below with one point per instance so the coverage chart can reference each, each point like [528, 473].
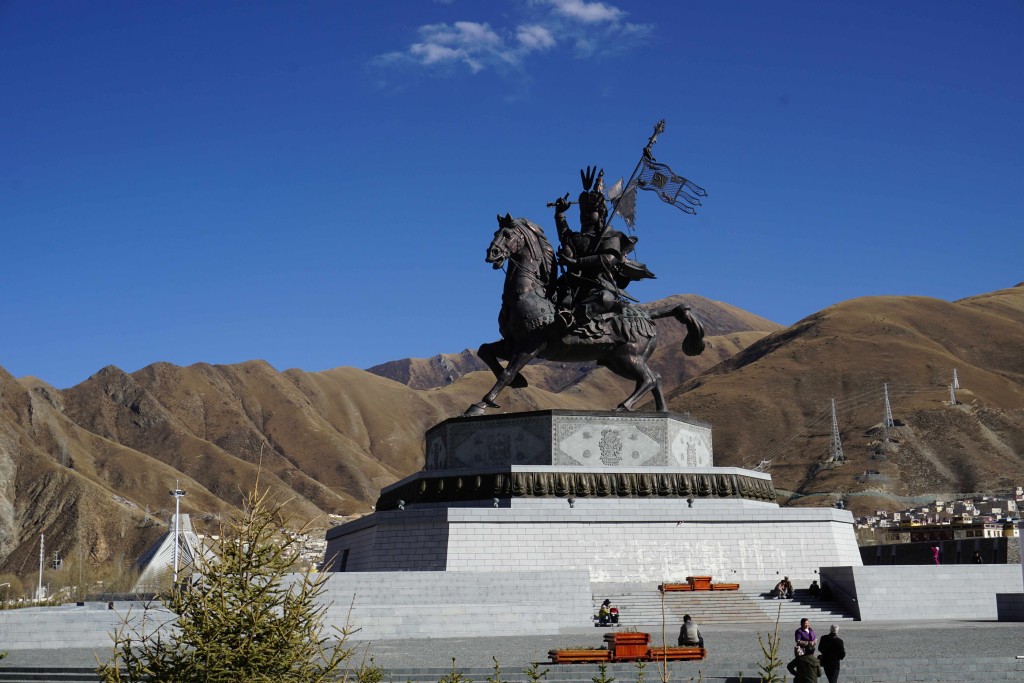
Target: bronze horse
[531, 327]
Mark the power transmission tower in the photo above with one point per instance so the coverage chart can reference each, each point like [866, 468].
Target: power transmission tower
[835, 446]
[887, 420]
[956, 381]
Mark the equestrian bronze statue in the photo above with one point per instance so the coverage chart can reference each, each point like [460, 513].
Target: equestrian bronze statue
[593, 327]
[584, 315]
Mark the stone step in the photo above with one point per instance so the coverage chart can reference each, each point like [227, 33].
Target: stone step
[720, 607]
[47, 674]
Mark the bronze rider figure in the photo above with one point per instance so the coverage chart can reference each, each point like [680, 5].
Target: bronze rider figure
[598, 267]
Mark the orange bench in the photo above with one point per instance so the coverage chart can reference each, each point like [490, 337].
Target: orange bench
[725, 586]
[677, 654]
[579, 656]
[668, 587]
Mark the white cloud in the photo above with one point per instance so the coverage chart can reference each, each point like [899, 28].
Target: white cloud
[535, 37]
[585, 27]
[468, 42]
[588, 12]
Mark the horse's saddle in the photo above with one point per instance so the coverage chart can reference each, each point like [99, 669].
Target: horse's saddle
[631, 325]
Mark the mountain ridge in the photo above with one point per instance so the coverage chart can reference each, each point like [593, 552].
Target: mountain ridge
[90, 466]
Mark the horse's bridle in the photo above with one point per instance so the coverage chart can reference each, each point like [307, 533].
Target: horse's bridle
[520, 230]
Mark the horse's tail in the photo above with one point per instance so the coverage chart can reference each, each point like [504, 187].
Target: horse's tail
[693, 343]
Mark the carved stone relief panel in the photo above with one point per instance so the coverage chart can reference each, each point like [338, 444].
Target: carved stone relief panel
[596, 442]
[690, 445]
[437, 455]
[508, 442]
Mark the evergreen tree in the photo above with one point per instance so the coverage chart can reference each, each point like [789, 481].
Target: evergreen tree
[242, 617]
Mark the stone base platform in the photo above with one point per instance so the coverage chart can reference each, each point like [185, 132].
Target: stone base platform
[625, 497]
[613, 540]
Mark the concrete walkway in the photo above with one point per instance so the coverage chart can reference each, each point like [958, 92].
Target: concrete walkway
[729, 645]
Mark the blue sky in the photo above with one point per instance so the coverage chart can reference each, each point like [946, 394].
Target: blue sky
[314, 183]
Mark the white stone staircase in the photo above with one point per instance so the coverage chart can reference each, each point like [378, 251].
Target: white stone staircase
[641, 605]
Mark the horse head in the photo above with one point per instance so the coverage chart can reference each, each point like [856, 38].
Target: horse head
[525, 247]
[508, 240]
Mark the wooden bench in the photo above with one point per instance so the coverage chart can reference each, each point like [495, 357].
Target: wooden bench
[669, 587]
[677, 654]
[579, 656]
[698, 583]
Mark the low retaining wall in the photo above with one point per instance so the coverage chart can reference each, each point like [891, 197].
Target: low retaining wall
[900, 592]
[375, 605]
[71, 626]
[961, 551]
[388, 605]
[1010, 606]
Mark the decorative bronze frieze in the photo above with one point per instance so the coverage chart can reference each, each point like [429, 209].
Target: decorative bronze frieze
[431, 488]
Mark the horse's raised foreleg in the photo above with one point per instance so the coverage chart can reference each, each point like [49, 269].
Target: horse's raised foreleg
[531, 347]
[490, 353]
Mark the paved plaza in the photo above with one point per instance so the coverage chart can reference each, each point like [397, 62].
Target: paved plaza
[876, 652]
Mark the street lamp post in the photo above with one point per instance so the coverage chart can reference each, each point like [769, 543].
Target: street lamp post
[42, 558]
[178, 495]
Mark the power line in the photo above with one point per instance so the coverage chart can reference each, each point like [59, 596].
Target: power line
[859, 399]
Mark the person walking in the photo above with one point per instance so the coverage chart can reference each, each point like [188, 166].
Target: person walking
[805, 668]
[832, 651]
[805, 637]
[935, 554]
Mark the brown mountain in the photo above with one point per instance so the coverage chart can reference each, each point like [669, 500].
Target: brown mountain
[91, 466]
[771, 400]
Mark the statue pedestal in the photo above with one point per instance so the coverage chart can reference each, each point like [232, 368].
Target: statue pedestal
[627, 497]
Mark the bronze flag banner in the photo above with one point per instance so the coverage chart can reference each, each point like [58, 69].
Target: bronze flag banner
[673, 189]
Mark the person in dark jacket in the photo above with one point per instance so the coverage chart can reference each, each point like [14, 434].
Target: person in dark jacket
[604, 614]
[805, 668]
[832, 652]
[689, 634]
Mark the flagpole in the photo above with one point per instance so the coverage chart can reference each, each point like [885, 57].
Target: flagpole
[659, 128]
